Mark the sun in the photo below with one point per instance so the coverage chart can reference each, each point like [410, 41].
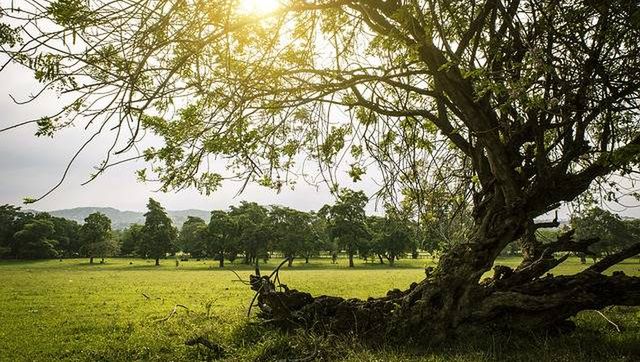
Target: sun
[258, 7]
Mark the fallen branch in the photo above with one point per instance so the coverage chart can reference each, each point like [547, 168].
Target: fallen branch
[173, 311]
[149, 298]
[614, 259]
[245, 282]
[257, 283]
[609, 320]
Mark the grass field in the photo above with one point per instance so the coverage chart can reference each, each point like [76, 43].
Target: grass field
[70, 310]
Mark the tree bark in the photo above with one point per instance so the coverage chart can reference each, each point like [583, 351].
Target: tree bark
[221, 261]
[157, 261]
[90, 260]
[350, 259]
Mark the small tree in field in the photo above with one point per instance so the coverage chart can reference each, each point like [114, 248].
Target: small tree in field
[158, 233]
[254, 235]
[95, 237]
[291, 232]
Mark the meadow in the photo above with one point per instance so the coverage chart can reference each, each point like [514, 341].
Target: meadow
[126, 310]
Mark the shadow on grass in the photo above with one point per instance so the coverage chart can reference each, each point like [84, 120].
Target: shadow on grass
[593, 340]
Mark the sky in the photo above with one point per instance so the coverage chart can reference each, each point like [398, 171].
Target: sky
[30, 166]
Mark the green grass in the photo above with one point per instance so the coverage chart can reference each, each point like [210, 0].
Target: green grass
[70, 310]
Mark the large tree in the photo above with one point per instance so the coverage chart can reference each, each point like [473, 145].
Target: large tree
[510, 106]
[158, 233]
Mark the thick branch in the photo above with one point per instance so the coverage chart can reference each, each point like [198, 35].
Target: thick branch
[614, 259]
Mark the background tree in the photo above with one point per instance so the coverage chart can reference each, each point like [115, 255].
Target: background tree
[319, 239]
[346, 221]
[96, 238]
[191, 239]
[509, 107]
[66, 233]
[34, 240]
[221, 237]
[130, 239]
[158, 233]
[292, 233]
[255, 232]
[391, 236]
[12, 220]
[612, 232]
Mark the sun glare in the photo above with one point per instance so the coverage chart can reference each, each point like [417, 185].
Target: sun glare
[257, 7]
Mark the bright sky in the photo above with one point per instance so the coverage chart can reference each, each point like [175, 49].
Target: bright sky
[30, 166]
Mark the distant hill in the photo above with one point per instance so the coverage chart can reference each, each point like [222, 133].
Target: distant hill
[122, 219]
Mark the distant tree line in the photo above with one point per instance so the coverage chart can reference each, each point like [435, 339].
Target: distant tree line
[249, 232]
[27, 235]
[252, 232]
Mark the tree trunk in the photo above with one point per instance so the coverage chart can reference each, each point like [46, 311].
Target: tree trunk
[306, 260]
[392, 260]
[221, 261]
[91, 260]
[380, 257]
[157, 261]
[350, 259]
[290, 262]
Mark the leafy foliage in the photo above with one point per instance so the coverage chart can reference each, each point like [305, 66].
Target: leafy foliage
[614, 233]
